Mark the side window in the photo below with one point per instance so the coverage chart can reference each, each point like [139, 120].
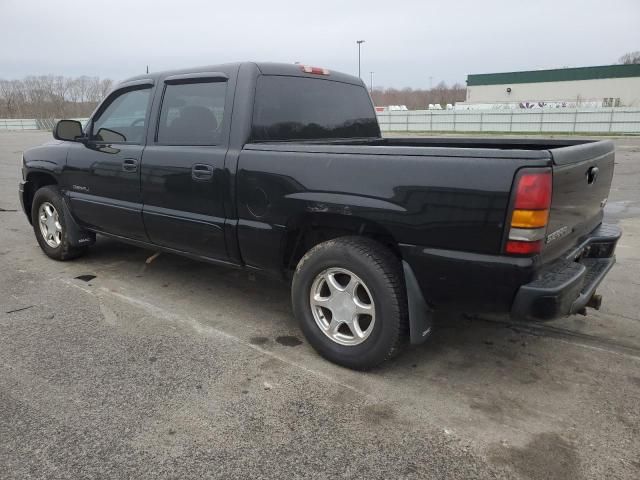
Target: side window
[124, 119]
[192, 113]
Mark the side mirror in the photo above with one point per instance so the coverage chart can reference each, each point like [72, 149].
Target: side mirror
[70, 130]
[107, 135]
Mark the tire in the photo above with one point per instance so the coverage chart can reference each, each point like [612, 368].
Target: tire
[363, 266]
[58, 248]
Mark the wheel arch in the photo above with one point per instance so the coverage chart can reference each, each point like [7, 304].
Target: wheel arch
[307, 230]
[34, 181]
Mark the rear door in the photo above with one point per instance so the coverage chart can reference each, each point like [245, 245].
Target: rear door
[103, 174]
[582, 177]
[183, 177]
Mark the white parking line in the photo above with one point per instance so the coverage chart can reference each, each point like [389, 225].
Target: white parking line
[194, 324]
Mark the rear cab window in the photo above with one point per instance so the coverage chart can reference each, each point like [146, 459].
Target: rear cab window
[302, 108]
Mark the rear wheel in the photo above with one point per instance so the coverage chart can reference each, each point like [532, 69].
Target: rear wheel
[47, 218]
[348, 295]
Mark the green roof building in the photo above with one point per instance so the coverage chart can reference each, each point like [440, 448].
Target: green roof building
[606, 85]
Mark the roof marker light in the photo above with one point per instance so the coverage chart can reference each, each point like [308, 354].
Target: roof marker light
[314, 70]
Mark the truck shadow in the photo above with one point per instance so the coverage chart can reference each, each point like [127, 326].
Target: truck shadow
[461, 343]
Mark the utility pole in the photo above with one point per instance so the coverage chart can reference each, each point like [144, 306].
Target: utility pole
[147, 68]
[371, 83]
[359, 42]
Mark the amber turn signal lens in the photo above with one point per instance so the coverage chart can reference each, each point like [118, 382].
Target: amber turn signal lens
[529, 218]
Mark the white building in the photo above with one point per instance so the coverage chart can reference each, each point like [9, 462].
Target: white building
[607, 86]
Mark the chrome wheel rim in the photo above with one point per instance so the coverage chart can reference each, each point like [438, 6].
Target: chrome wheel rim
[50, 226]
[342, 306]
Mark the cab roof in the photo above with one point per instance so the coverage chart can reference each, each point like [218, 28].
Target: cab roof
[264, 68]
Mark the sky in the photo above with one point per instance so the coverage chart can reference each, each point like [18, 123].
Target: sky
[408, 43]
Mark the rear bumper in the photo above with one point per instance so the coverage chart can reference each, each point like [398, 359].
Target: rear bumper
[566, 286]
[516, 286]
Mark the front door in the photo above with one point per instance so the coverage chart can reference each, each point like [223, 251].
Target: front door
[103, 174]
[183, 167]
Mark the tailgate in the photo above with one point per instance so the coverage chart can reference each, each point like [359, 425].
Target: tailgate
[581, 181]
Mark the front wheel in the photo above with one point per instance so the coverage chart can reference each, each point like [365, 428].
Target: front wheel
[47, 218]
[348, 295]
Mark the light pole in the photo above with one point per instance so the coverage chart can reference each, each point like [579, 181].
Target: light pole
[359, 42]
[371, 82]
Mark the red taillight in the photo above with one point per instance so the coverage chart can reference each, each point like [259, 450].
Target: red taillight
[523, 248]
[533, 191]
[530, 214]
[314, 70]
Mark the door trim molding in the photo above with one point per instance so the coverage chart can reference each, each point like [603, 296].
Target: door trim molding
[107, 202]
[181, 215]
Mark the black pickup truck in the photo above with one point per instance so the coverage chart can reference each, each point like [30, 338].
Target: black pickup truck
[282, 169]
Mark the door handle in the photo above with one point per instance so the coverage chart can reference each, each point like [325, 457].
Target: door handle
[201, 172]
[130, 165]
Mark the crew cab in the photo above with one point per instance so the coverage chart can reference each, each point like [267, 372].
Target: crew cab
[282, 169]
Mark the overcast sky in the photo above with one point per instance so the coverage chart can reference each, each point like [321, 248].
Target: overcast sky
[407, 41]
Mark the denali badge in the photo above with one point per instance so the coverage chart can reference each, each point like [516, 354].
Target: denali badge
[80, 188]
[561, 232]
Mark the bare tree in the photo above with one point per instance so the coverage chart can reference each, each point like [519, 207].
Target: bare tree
[629, 58]
[106, 85]
[11, 98]
[441, 94]
[49, 96]
[78, 89]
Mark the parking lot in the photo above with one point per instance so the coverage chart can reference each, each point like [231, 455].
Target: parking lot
[114, 368]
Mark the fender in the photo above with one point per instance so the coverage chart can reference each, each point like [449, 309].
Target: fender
[420, 315]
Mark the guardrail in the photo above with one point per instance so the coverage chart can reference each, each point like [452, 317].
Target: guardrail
[31, 123]
[18, 124]
[566, 120]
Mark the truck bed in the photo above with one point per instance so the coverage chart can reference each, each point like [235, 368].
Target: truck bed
[576, 207]
[486, 143]
[501, 143]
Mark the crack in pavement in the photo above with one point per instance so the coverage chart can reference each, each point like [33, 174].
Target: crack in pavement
[20, 309]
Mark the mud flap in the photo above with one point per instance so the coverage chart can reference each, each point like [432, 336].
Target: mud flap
[420, 315]
[76, 235]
